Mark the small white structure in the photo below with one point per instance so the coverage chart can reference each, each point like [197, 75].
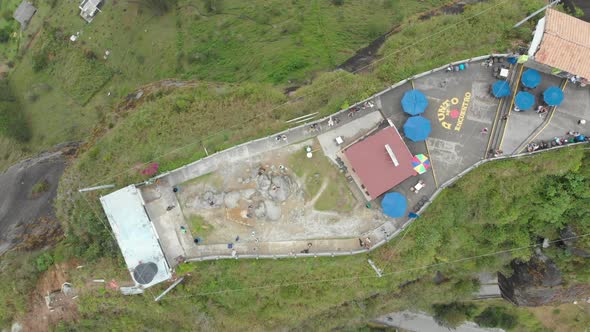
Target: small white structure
[89, 8]
[136, 236]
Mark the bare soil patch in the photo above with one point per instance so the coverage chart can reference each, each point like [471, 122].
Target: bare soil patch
[64, 308]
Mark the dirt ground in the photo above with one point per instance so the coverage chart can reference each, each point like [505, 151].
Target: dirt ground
[253, 215]
[40, 318]
[28, 219]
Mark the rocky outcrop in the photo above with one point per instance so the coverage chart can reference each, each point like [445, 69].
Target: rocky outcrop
[538, 282]
[569, 238]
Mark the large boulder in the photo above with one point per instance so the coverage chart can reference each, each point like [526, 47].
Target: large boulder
[273, 211]
[247, 193]
[260, 210]
[538, 282]
[231, 199]
[209, 200]
[280, 188]
[263, 182]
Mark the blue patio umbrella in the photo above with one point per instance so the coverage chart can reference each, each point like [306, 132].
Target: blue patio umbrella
[553, 96]
[417, 128]
[414, 102]
[530, 78]
[524, 100]
[501, 89]
[394, 205]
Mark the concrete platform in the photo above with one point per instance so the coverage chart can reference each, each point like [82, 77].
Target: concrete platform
[349, 133]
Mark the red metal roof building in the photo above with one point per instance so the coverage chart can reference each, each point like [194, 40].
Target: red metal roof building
[380, 162]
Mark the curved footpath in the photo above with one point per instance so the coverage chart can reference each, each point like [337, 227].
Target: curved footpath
[460, 107]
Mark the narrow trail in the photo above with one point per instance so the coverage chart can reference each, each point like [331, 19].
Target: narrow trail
[312, 202]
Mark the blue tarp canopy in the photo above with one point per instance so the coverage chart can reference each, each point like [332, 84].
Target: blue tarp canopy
[512, 60]
[553, 96]
[417, 128]
[394, 205]
[524, 100]
[501, 89]
[414, 102]
[530, 78]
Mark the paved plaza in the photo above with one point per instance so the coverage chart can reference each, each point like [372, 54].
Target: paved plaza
[459, 107]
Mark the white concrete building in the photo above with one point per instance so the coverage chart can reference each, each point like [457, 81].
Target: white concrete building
[89, 9]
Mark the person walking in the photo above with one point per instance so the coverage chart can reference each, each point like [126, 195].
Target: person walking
[484, 131]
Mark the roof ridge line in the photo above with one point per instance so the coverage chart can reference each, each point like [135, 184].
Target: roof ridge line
[566, 40]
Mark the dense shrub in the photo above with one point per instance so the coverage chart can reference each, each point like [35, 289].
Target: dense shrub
[496, 317]
[4, 35]
[453, 314]
[43, 262]
[13, 123]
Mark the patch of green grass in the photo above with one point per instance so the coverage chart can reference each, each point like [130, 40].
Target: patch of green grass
[40, 187]
[563, 317]
[317, 171]
[18, 274]
[199, 227]
[454, 37]
[279, 41]
[13, 123]
[209, 178]
[336, 196]
[79, 71]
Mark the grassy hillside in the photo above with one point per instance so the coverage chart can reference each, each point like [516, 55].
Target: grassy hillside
[278, 42]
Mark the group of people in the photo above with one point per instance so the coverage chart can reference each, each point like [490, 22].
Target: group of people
[315, 127]
[577, 80]
[571, 137]
[366, 243]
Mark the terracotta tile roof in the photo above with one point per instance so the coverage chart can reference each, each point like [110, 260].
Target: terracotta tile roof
[565, 44]
[373, 165]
